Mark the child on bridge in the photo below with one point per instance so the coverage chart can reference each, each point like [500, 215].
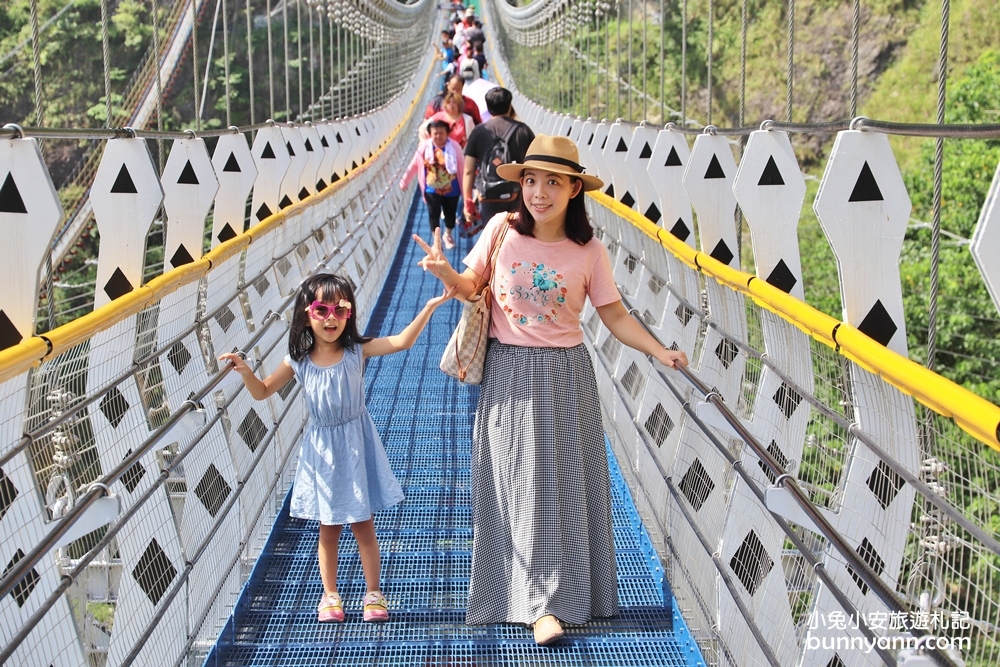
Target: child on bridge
[343, 474]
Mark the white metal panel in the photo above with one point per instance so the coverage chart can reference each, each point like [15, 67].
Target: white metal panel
[604, 171]
[270, 154]
[666, 171]
[708, 179]
[312, 140]
[292, 190]
[637, 162]
[986, 240]
[330, 146]
[29, 213]
[126, 195]
[189, 187]
[236, 172]
[616, 149]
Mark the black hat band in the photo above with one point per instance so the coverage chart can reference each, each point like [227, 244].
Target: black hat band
[556, 160]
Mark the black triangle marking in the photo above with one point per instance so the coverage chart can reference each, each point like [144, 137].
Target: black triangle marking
[309, 146]
[232, 164]
[673, 160]
[354, 165]
[611, 190]
[9, 335]
[357, 130]
[118, 285]
[10, 197]
[285, 202]
[646, 152]
[263, 212]
[866, 187]
[569, 131]
[188, 176]
[291, 152]
[326, 144]
[227, 233]
[604, 142]
[591, 140]
[340, 140]
[320, 185]
[621, 148]
[303, 193]
[680, 230]
[123, 184]
[714, 169]
[771, 174]
[268, 152]
[181, 257]
[335, 177]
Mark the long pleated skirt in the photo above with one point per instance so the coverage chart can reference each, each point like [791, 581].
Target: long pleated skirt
[541, 501]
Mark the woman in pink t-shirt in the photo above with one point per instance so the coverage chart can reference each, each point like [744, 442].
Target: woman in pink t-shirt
[543, 549]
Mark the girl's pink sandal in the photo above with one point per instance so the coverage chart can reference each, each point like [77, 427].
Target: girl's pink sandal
[376, 609]
[331, 609]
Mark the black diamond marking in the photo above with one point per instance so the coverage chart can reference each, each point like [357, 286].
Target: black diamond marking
[779, 458]
[334, 178]
[154, 572]
[303, 193]
[646, 151]
[179, 357]
[696, 485]
[261, 284]
[866, 187]
[285, 202]
[324, 142]
[8, 492]
[264, 212]
[123, 184]
[10, 197]
[722, 252]
[878, 324]
[188, 177]
[232, 164]
[610, 191]
[653, 214]
[24, 587]
[118, 285]
[621, 148]
[212, 490]
[751, 563]
[227, 232]
[835, 661]
[726, 351]
[631, 262]
[628, 200]
[9, 335]
[655, 284]
[133, 475]
[684, 314]
[885, 483]
[287, 389]
[659, 425]
[252, 430]
[181, 257]
[771, 175]
[340, 140]
[225, 318]
[268, 152]
[714, 169]
[673, 160]
[283, 265]
[354, 165]
[320, 185]
[781, 277]
[787, 399]
[309, 146]
[632, 380]
[867, 552]
[680, 230]
[302, 250]
[288, 145]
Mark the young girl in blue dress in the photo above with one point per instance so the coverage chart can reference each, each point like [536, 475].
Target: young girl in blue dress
[343, 474]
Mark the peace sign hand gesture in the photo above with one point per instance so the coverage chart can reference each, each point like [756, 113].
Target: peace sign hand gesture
[435, 261]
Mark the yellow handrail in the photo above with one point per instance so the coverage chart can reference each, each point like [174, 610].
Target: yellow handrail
[973, 414]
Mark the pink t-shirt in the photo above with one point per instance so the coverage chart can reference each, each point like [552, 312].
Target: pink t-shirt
[539, 288]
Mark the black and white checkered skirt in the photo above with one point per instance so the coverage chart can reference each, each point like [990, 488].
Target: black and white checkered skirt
[541, 499]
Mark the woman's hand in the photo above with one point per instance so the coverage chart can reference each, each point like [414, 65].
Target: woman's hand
[239, 363]
[435, 261]
[672, 358]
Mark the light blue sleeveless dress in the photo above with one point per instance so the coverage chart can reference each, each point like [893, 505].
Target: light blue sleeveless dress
[343, 475]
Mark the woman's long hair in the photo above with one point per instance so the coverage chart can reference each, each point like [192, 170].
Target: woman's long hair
[330, 289]
[578, 228]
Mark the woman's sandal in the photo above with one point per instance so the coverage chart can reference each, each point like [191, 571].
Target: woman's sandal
[330, 609]
[376, 609]
[548, 630]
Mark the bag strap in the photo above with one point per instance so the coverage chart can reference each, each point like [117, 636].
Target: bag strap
[495, 243]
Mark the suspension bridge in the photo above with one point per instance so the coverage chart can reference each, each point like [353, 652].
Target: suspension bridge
[806, 493]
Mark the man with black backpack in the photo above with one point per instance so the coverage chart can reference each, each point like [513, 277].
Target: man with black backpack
[499, 140]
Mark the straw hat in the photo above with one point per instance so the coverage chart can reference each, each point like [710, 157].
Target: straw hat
[553, 154]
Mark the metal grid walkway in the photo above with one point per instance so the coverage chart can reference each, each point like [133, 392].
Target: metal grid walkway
[425, 420]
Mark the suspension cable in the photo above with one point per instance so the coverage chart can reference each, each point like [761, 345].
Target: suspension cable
[312, 59]
[270, 60]
[298, 40]
[936, 206]
[284, 32]
[790, 67]
[225, 53]
[253, 115]
[855, 32]
[106, 56]
[154, 10]
[194, 61]
[684, 50]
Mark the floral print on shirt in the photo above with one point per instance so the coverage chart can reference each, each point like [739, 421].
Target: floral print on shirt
[531, 294]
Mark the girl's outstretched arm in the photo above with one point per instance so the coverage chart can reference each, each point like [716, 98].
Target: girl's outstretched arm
[259, 389]
[405, 339]
[629, 331]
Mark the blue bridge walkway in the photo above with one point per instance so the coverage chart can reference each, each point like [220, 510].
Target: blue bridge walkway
[425, 420]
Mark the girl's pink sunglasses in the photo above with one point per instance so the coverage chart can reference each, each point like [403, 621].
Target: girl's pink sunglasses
[321, 311]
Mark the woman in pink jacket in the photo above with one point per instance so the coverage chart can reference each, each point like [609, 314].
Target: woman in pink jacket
[437, 165]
